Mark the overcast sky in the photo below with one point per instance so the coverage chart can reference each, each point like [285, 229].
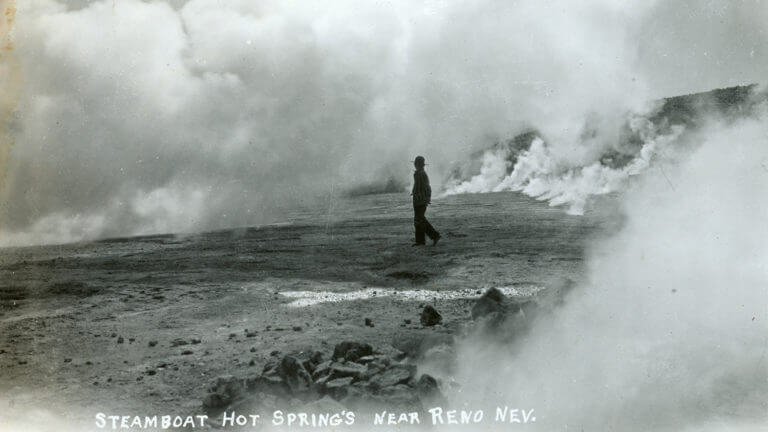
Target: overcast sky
[139, 117]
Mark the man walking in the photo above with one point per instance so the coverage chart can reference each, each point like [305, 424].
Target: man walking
[422, 197]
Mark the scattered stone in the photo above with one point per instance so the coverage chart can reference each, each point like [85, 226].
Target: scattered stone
[407, 321]
[492, 301]
[351, 351]
[152, 343]
[223, 392]
[397, 374]
[178, 342]
[322, 369]
[427, 386]
[88, 363]
[430, 317]
[150, 372]
[253, 349]
[131, 340]
[120, 340]
[347, 369]
[338, 388]
[368, 322]
[356, 375]
[195, 341]
[274, 353]
[186, 352]
[67, 360]
[296, 376]
[296, 328]
[251, 334]
[114, 335]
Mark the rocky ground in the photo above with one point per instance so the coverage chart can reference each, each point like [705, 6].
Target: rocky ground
[183, 324]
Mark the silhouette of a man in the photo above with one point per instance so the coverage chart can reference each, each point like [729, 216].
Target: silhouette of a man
[422, 197]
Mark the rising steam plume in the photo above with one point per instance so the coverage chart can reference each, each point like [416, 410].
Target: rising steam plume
[144, 117]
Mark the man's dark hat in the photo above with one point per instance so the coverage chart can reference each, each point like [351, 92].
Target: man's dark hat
[419, 160]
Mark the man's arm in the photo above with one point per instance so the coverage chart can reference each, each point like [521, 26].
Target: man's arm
[427, 189]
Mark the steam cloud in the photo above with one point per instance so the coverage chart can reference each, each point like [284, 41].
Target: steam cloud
[668, 332]
[140, 117]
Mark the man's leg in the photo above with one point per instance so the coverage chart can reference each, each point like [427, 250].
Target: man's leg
[418, 223]
[429, 229]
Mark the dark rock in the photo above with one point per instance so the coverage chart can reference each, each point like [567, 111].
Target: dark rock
[274, 353]
[492, 301]
[321, 369]
[253, 349]
[195, 341]
[338, 388]
[394, 375]
[150, 372]
[407, 321]
[371, 370]
[430, 317]
[251, 334]
[347, 369]
[114, 335]
[223, 392]
[369, 322]
[120, 340]
[178, 342]
[296, 328]
[67, 360]
[186, 352]
[427, 386]
[351, 351]
[296, 376]
[338, 382]
[152, 343]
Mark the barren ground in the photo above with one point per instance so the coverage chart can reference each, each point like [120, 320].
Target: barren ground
[78, 321]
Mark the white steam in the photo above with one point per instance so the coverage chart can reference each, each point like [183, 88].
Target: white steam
[542, 173]
[670, 329]
[235, 112]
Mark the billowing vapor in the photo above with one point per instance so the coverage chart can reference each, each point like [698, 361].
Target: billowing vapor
[142, 117]
[669, 329]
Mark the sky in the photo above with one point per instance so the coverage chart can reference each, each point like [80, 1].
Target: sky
[135, 117]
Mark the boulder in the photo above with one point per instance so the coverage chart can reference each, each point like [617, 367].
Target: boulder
[427, 386]
[337, 388]
[492, 301]
[295, 375]
[430, 316]
[322, 369]
[223, 392]
[347, 369]
[396, 374]
[351, 351]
